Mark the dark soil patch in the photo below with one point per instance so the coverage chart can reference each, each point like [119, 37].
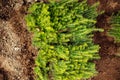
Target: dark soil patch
[108, 66]
[3, 75]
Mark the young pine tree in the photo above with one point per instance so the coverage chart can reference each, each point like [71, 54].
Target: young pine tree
[63, 34]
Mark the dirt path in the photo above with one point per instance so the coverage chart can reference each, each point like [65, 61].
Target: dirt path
[109, 64]
[16, 52]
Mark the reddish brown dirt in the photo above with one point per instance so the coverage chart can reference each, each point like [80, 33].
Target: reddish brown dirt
[108, 66]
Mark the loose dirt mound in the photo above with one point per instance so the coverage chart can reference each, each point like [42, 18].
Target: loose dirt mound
[16, 53]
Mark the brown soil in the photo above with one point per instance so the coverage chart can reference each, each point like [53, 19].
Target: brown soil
[16, 52]
[108, 66]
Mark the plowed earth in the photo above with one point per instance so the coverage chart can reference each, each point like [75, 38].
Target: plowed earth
[17, 53]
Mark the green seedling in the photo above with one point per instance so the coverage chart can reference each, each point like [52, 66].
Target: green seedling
[63, 32]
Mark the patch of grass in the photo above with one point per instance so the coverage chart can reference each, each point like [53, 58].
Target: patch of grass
[115, 30]
[63, 34]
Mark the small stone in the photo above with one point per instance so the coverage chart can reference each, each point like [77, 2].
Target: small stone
[18, 57]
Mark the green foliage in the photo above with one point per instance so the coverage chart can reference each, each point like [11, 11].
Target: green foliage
[63, 34]
[115, 30]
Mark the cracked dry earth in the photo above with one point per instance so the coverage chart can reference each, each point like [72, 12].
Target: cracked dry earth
[16, 52]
